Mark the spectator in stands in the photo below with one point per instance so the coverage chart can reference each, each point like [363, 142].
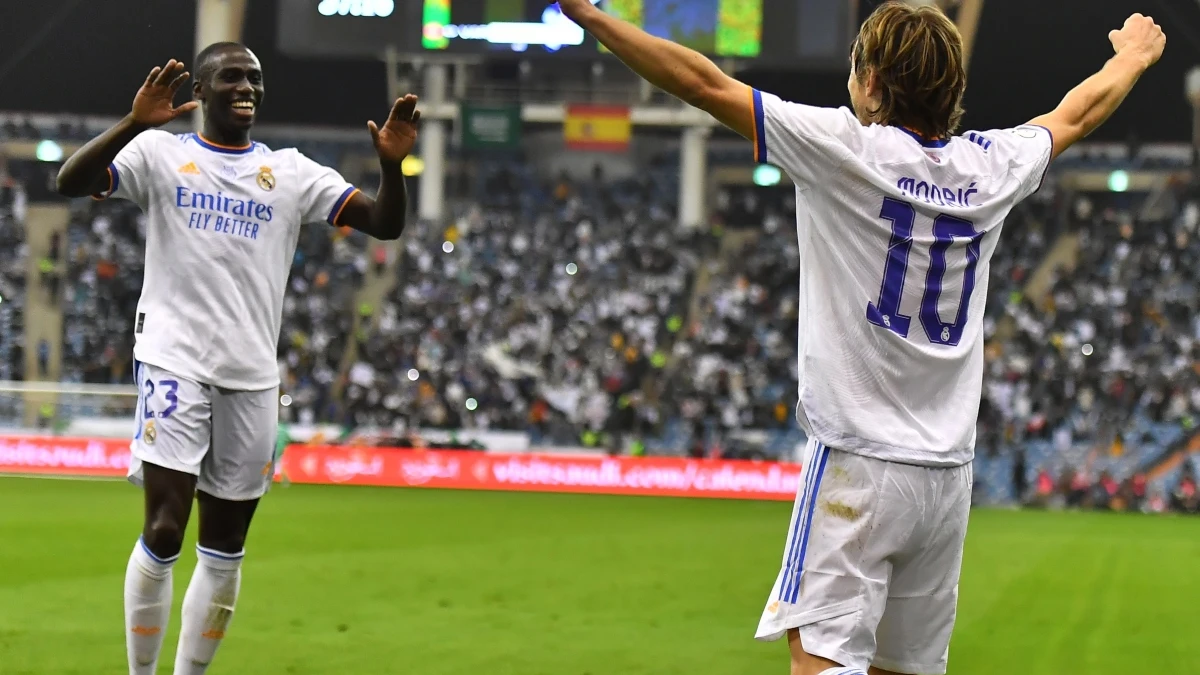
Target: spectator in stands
[43, 358]
[1185, 497]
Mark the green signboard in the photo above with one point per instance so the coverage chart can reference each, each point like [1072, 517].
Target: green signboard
[490, 127]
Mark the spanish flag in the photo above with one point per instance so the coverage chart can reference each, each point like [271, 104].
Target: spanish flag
[597, 127]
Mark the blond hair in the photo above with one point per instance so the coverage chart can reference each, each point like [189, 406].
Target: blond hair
[917, 54]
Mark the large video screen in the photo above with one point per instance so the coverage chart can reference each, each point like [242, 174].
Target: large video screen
[728, 28]
[800, 34]
[724, 28]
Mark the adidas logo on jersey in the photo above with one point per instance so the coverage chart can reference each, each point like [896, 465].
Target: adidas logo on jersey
[190, 168]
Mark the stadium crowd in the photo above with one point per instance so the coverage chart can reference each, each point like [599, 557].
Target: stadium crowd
[13, 261]
[1116, 336]
[577, 311]
[1077, 489]
[544, 306]
[735, 364]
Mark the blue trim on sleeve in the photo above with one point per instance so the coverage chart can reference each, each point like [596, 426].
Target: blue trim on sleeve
[979, 140]
[760, 129]
[936, 143]
[114, 179]
[1049, 160]
[337, 206]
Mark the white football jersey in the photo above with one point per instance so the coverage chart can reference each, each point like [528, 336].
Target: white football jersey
[223, 224]
[896, 236]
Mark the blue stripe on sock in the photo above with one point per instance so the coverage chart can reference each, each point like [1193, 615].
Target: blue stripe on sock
[219, 555]
[161, 561]
[794, 592]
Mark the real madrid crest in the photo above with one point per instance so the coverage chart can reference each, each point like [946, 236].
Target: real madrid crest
[266, 179]
[150, 432]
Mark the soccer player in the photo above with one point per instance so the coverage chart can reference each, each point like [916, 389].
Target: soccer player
[897, 221]
[224, 218]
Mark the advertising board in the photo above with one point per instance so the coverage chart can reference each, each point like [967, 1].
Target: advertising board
[454, 469]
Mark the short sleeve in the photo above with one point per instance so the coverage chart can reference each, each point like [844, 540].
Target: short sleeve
[128, 174]
[323, 192]
[1024, 152]
[806, 141]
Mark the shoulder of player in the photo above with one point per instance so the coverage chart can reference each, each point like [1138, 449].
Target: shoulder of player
[157, 136]
[1017, 145]
[285, 157]
[986, 139]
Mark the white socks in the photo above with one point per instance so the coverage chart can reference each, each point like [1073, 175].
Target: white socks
[207, 609]
[147, 607]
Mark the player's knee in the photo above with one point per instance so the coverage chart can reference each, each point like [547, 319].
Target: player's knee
[163, 535]
[224, 523]
[229, 542]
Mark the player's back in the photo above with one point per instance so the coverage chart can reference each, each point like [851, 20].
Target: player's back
[895, 236]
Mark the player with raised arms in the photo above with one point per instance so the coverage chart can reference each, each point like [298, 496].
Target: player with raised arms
[897, 219]
[224, 216]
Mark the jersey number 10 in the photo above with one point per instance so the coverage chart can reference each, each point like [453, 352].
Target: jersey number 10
[885, 313]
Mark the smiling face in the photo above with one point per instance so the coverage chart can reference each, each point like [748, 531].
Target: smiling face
[229, 86]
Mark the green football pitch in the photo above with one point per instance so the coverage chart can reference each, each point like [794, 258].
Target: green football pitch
[357, 580]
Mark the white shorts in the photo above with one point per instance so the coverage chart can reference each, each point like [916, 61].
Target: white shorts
[870, 571]
[224, 437]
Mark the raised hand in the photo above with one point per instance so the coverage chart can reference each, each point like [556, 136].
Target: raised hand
[573, 8]
[154, 104]
[1140, 37]
[395, 140]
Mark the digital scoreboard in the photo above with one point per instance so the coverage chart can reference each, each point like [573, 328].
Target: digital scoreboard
[723, 28]
[801, 34]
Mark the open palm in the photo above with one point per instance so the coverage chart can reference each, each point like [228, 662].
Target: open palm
[154, 104]
[396, 138]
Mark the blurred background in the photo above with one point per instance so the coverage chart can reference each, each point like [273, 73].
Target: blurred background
[593, 267]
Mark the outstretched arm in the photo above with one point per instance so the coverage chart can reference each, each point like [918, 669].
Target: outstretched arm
[677, 70]
[384, 216]
[1139, 44]
[86, 172]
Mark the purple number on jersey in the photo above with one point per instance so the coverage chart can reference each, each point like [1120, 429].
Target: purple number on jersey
[946, 231]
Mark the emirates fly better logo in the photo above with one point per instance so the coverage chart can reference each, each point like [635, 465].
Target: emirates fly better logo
[356, 7]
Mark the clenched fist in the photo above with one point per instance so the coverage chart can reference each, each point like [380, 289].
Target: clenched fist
[1140, 38]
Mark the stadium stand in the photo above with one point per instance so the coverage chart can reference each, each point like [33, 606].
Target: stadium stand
[13, 262]
[576, 311]
[549, 302]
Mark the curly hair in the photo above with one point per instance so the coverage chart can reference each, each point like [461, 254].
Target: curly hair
[917, 54]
